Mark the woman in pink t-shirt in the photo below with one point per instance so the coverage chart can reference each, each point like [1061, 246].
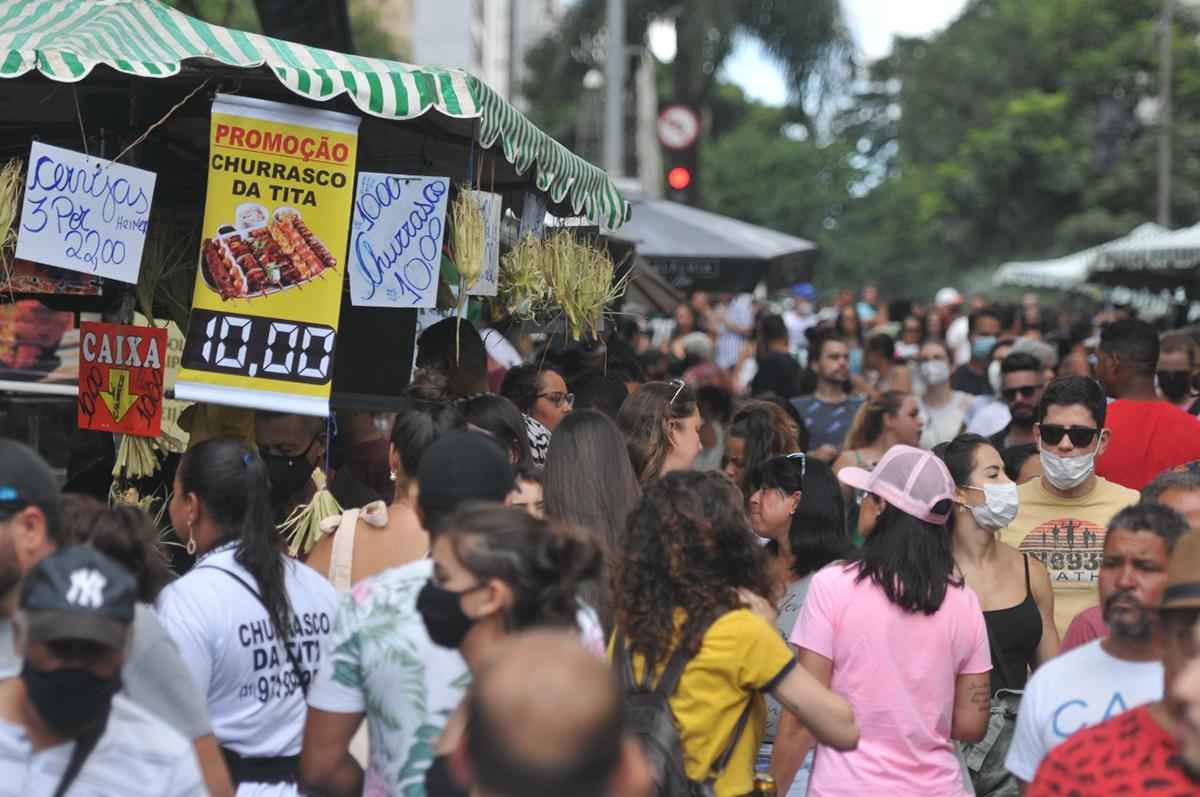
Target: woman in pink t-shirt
[894, 632]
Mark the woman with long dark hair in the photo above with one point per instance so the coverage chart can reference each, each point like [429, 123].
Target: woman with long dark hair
[366, 541]
[681, 589]
[796, 505]
[496, 571]
[760, 430]
[1014, 591]
[249, 621]
[589, 483]
[661, 424]
[900, 635]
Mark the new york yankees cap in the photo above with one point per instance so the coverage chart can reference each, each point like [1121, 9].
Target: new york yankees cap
[79, 593]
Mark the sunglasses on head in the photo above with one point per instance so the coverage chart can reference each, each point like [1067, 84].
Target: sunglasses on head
[800, 455]
[1081, 436]
[679, 385]
[1027, 392]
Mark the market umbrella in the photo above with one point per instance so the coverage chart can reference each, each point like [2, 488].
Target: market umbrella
[1165, 261]
[1069, 271]
[694, 249]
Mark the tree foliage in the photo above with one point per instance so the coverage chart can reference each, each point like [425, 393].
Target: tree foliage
[1024, 130]
[809, 40]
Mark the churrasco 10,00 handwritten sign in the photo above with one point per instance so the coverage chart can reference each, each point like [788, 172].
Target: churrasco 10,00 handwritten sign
[84, 214]
[396, 240]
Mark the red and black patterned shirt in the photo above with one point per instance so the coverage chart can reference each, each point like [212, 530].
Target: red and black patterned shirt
[1128, 755]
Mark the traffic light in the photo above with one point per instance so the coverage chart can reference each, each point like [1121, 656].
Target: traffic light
[678, 130]
[679, 178]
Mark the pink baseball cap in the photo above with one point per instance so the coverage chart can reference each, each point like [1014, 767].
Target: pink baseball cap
[910, 479]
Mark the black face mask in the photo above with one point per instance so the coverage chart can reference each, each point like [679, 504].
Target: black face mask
[1175, 385]
[287, 474]
[69, 701]
[442, 612]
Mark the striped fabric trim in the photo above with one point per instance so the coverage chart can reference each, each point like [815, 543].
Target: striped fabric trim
[66, 39]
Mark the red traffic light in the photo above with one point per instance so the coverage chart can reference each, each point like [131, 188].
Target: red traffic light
[679, 178]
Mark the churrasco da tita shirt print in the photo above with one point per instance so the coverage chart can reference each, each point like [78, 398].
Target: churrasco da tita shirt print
[382, 663]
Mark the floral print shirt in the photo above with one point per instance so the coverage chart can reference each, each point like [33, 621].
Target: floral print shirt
[381, 662]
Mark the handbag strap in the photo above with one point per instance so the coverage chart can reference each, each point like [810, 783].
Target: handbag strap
[291, 656]
[341, 560]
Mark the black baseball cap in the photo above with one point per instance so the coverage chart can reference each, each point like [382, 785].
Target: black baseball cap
[25, 480]
[79, 593]
[462, 466]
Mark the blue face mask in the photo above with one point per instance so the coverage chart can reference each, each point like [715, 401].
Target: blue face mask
[981, 347]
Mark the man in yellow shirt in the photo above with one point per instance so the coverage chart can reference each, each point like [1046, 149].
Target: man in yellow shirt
[1064, 513]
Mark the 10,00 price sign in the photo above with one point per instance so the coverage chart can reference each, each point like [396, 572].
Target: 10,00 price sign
[266, 348]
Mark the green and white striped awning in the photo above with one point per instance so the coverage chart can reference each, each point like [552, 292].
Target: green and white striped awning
[65, 39]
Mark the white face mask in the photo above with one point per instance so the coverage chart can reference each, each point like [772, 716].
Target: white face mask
[935, 372]
[1000, 505]
[1067, 473]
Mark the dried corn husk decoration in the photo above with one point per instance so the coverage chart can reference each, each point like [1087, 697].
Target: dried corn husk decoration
[11, 181]
[523, 287]
[468, 233]
[137, 458]
[302, 529]
[580, 280]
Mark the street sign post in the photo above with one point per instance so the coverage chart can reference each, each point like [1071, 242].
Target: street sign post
[678, 126]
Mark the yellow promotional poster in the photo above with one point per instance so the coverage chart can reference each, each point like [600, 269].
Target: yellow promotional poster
[263, 326]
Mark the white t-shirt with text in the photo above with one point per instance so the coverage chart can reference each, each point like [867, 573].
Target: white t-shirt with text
[1078, 689]
[138, 756]
[226, 637]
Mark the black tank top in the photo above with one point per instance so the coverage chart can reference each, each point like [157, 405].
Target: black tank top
[1014, 634]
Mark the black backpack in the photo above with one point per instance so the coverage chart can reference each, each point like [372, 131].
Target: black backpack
[649, 718]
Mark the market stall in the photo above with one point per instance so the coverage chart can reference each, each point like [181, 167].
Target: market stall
[1166, 261]
[276, 189]
[1070, 271]
[695, 249]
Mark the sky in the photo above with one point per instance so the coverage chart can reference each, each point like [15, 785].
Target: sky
[873, 23]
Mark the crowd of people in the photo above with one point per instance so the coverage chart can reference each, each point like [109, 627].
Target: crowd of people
[755, 548]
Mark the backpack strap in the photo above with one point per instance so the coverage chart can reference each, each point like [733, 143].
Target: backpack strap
[668, 682]
[718, 766]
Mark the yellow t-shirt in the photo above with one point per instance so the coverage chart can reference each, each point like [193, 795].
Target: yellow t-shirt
[1067, 536]
[740, 656]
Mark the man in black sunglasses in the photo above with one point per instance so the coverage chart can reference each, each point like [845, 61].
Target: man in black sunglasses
[1021, 388]
[1064, 514]
[1152, 435]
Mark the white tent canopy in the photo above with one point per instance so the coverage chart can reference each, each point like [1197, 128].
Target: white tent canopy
[1161, 252]
[1069, 271]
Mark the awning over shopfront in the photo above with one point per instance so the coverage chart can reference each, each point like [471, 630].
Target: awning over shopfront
[65, 40]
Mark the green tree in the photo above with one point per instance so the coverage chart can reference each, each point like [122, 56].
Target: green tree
[1018, 132]
[808, 39]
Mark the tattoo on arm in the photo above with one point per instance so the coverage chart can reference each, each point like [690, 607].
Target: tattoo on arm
[980, 695]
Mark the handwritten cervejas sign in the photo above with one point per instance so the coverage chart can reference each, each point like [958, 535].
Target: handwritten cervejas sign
[396, 240]
[121, 378]
[84, 214]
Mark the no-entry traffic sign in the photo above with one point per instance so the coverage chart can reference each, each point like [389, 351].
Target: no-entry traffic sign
[121, 378]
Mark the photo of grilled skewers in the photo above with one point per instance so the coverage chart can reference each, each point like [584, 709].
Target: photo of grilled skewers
[244, 262]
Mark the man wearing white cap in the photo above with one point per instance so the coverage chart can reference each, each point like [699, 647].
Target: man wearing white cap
[949, 302]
